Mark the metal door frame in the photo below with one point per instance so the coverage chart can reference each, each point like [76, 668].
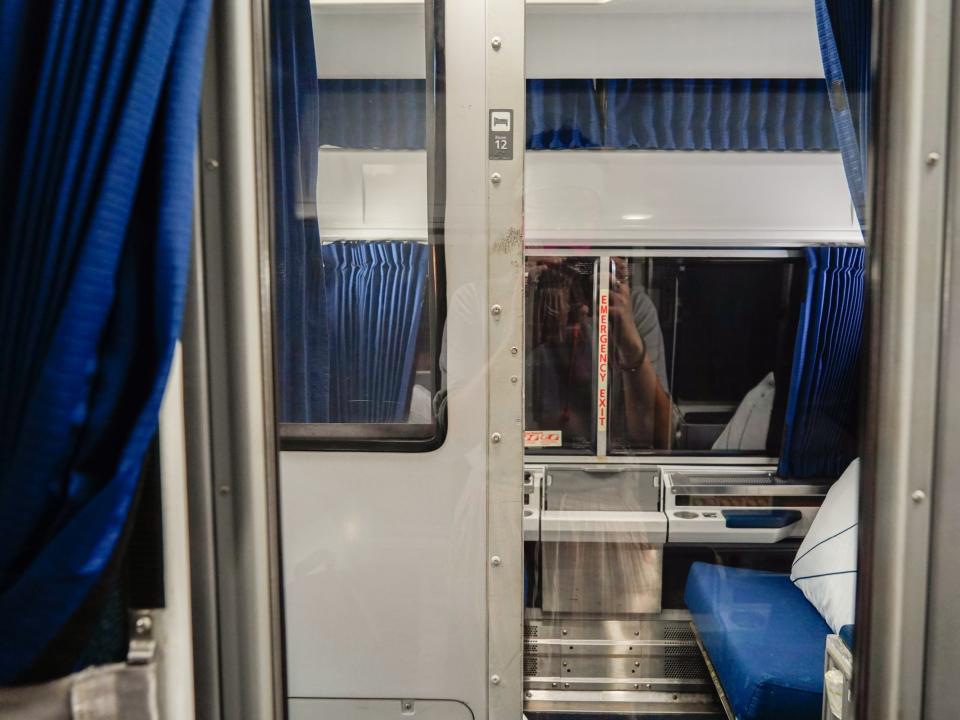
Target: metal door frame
[228, 384]
[903, 352]
[232, 455]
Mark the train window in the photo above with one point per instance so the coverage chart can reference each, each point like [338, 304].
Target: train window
[697, 346]
[358, 265]
[561, 354]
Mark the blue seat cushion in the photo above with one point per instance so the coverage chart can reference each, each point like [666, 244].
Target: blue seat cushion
[765, 640]
[846, 634]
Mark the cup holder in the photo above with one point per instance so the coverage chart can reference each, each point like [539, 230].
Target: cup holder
[685, 514]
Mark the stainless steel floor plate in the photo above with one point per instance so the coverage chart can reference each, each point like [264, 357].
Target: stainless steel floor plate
[645, 664]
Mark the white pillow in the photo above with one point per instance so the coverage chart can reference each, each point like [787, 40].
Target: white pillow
[825, 568]
[748, 428]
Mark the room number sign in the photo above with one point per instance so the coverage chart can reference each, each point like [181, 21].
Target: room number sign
[501, 134]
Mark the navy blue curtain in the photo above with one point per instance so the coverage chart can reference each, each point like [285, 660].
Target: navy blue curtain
[820, 427]
[98, 120]
[649, 114]
[391, 114]
[302, 359]
[375, 114]
[375, 292]
[844, 28]
[563, 115]
[658, 114]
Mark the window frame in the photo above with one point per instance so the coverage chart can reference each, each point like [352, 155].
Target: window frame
[399, 437]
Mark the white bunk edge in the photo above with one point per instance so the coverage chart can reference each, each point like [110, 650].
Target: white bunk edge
[589, 39]
[743, 198]
[603, 526]
[604, 197]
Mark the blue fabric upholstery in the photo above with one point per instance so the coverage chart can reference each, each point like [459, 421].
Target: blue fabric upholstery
[820, 425]
[766, 641]
[98, 121]
[846, 634]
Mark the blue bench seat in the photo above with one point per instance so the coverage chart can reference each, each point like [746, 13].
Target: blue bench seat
[765, 640]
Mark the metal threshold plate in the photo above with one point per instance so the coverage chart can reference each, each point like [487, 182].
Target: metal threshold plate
[614, 702]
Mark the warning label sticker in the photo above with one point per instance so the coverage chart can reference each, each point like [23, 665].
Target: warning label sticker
[543, 438]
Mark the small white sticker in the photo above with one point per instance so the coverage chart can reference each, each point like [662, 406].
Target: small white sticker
[543, 438]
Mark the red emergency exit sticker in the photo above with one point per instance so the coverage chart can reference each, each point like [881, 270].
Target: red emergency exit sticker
[602, 360]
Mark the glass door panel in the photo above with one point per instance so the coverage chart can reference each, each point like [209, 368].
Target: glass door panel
[709, 161]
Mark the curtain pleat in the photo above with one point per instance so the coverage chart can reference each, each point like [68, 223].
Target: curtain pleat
[302, 355]
[820, 428]
[844, 28]
[563, 115]
[665, 114]
[96, 189]
[372, 114]
[647, 114]
[375, 293]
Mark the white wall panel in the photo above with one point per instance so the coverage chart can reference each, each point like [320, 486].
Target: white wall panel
[726, 198]
[687, 198]
[378, 710]
[384, 554]
[590, 39]
[372, 194]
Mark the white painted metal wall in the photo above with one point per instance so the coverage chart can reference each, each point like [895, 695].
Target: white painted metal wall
[590, 38]
[384, 554]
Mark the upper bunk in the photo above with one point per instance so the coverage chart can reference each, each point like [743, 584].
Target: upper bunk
[642, 124]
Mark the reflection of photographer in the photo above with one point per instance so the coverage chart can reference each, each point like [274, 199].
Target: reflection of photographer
[638, 363]
[561, 372]
[645, 415]
[560, 365]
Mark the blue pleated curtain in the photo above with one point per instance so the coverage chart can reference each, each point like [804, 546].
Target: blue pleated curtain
[373, 114]
[820, 427]
[302, 355]
[98, 120]
[568, 114]
[756, 115]
[563, 115]
[348, 311]
[375, 296]
[844, 28]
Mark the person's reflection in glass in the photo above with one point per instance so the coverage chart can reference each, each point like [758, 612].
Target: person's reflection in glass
[638, 364]
[561, 361]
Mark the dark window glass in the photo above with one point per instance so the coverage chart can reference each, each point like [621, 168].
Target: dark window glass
[561, 355]
[700, 353]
